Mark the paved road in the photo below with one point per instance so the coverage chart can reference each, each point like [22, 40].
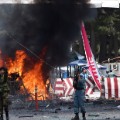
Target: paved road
[65, 112]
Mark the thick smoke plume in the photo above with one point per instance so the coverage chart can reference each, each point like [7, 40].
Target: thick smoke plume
[53, 24]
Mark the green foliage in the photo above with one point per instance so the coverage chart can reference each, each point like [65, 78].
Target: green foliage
[104, 34]
[108, 22]
[107, 32]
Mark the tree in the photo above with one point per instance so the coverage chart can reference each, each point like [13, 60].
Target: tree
[107, 33]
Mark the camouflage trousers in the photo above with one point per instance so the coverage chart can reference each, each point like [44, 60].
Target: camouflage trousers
[4, 105]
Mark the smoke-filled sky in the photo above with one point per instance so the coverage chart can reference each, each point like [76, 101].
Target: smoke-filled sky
[54, 26]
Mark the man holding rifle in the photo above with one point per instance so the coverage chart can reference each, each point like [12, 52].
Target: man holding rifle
[79, 96]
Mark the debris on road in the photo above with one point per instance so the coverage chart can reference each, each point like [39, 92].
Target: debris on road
[25, 116]
[93, 115]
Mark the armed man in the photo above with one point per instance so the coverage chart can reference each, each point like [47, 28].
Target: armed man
[4, 91]
[79, 96]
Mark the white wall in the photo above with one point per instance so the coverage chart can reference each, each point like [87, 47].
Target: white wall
[115, 67]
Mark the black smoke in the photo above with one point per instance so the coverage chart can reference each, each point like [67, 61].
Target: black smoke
[53, 24]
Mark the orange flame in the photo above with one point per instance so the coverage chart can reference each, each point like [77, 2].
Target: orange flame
[32, 77]
[17, 64]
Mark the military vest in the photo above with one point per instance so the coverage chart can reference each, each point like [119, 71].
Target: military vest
[3, 84]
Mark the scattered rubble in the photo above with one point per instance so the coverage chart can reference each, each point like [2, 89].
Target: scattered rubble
[26, 116]
[93, 115]
[118, 106]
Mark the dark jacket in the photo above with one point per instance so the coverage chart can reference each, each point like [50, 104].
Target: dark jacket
[78, 83]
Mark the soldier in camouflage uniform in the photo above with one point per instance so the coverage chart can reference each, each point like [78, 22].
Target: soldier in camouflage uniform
[4, 91]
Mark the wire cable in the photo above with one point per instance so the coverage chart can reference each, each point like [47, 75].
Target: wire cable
[9, 35]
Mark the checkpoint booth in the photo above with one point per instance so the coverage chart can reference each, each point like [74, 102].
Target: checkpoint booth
[63, 87]
[111, 86]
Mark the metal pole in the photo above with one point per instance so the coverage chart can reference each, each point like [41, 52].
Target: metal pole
[36, 99]
[70, 71]
[67, 72]
[74, 70]
[59, 72]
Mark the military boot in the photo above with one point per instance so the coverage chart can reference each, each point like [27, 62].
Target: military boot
[83, 115]
[6, 112]
[1, 118]
[75, 118]
[84, 118]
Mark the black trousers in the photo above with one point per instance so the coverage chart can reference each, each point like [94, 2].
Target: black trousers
[3, 107]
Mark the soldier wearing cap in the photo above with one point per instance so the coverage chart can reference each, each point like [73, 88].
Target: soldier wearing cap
[79, 96]
[84, 73]
[4, 90]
